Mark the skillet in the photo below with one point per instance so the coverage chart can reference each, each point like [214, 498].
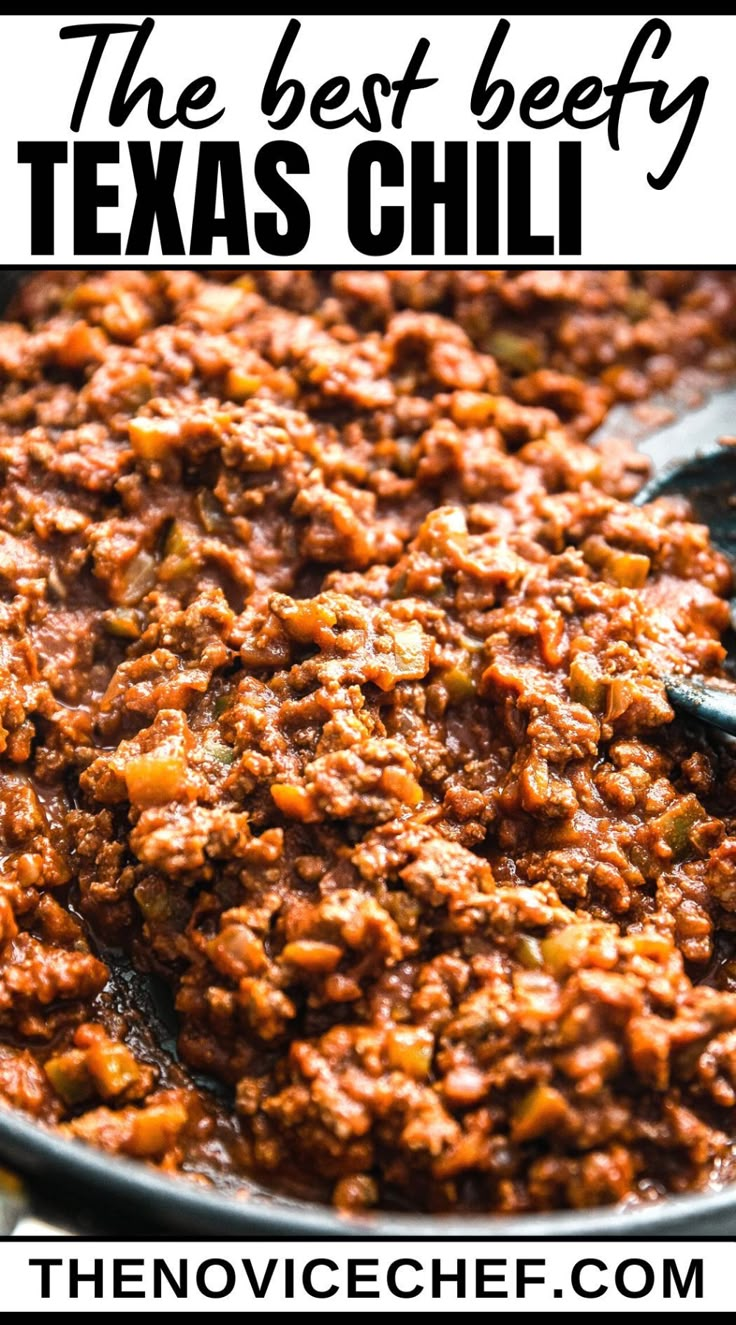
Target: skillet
[138, 1199]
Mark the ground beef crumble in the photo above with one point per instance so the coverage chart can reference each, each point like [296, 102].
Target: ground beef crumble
[331, 661]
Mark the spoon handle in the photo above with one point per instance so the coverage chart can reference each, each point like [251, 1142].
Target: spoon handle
[713, 704]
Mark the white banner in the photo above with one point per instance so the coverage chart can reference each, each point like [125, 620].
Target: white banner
[82, 1275]
[367, 139]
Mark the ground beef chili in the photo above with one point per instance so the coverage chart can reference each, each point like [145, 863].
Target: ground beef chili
[331, 694]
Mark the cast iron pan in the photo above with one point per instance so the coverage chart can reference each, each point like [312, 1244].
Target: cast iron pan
[135, 1199]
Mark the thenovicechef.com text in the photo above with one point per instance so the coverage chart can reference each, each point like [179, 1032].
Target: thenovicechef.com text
[326, 1275]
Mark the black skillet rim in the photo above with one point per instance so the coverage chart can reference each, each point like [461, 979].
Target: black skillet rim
[176, 1203]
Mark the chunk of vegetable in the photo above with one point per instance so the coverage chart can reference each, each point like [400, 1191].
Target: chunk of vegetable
[137, 579]
[529, 952]
[408, 659]
[312, 955]
[398, 588]
[153, 439]
[586, 682]
[459, 684]
[540, 1111]
[180, 552]
[112, 1068]
[519, 353]
[240, 384]
[155, 1129]
[675, 825]
[210, 512]
[69, 1077]
[123, 622]
[218, 749]
[472, 408]
[403, 785]
[82, 344]
[410, 1049]
[629, 569]
[294, 801]
[566, 949]
[156, 777]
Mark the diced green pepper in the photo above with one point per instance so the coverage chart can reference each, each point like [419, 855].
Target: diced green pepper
[398, 588]
[210, 512]
[124, 622]
[218, 749]
[566, 949]
[638, 304]
[178, 541]
[138, 578]
[519, 353]
[69, 1076]
[459, 684]
[587, 685]
[154, 899]
[179, 552]
[677, 823]
[529, 952]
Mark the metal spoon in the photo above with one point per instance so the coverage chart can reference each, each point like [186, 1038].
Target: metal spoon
[688, 464]
[709, 702]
